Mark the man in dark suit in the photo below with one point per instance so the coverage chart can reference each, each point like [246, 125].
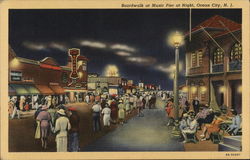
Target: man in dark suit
[196, 104]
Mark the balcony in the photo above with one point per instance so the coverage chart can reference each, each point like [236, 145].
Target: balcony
[194, 70]
[235, 66]
[217, 68]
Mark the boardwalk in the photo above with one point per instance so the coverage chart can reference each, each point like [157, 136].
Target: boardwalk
[148, 133]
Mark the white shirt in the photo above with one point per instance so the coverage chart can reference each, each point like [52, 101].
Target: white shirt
[192, 125]
[106, 111]
[62, 125]
[97, 108]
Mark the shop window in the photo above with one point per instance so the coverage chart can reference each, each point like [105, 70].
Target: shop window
[218, 56]
[236, 53]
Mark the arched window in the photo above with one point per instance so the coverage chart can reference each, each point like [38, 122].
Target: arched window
[218, 56]
[236, 52]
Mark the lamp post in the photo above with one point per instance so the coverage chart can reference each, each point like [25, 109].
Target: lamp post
[177, 40]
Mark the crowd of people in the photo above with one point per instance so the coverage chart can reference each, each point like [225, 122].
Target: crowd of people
[203, 118]
[18, 104]
[52, 117]
[62, 122]
[113, 109]
[54, 120]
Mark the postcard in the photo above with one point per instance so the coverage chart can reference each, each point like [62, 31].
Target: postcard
[124, 79]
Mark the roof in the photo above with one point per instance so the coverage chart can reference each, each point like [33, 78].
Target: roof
[30, 61]
[49, 61]
[219, 23]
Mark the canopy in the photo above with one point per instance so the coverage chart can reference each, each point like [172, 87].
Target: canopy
[57, 89]
[44, 89]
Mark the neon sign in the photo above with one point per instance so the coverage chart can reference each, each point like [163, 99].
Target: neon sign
[50, 66]
[74, 53]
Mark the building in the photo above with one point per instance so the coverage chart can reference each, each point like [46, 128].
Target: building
[213, 63]
[101, 84]
[44, 77]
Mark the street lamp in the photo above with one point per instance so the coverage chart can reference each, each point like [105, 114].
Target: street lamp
[176, 40]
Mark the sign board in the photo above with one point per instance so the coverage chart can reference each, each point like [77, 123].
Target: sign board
[16, 76]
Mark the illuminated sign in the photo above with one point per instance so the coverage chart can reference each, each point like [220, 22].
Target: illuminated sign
[74, 53]
[15, 76]
[50, 66]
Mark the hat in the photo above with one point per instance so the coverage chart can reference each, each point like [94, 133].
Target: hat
[71, 109]
[120, 101]
[185, 115]
[44, 107]
[61, 111]
[206, 105]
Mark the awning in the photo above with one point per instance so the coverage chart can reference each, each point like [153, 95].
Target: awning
[31, 89]
[12, 91]
[44, 89]
[22, 89]
[19, 89]
[57, 89]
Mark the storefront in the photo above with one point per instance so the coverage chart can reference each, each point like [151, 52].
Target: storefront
[32, 78]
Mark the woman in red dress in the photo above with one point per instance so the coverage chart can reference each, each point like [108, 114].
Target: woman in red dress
[212, 127]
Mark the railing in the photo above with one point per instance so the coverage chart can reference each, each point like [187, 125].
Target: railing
[195, 70]
[235, 65]
[217, 68]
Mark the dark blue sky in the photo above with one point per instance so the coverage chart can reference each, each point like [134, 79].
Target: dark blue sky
[134, 40]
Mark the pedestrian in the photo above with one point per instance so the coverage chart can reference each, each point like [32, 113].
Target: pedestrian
[35, 102]
[127, 106]
[106, 115]
[170, 112]
[92, 98]
[144, 102]
[16, 108]
[87, 99]
[11, 105]
[121, 112]
[61, 129]
[139, 105]
[196, 104]
[114, 111]
[96, 116]
[52, 112]
[74, 120]
[134, 102]
[103, 103]
[22, 102]
[44, 119]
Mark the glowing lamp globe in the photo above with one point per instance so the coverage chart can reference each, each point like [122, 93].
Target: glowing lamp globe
[177, 39]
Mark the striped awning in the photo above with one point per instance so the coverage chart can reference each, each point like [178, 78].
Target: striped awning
[23, 89]
[57, 89]
[44, 89]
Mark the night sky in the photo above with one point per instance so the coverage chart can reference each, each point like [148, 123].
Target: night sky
[133, 40]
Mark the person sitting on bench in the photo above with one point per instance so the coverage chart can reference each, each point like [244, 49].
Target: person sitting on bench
[236, 125]
[184, 122]
[190, 129]
[208, 117]
[211, 128]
